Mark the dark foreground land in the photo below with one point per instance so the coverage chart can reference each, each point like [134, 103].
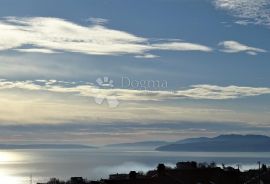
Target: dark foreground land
[183, 173]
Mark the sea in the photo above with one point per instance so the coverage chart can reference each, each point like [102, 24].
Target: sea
[32, 166]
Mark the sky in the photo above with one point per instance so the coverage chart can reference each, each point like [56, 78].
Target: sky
[103, 71]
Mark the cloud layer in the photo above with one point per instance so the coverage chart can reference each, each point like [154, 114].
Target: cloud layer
[61, 102]
[55, 35]
[234, 47]
[205, 91]
[50, 35]
[247, 11]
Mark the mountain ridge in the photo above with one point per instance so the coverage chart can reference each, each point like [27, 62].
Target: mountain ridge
[139, 144]
[45, 146]
[222, 143]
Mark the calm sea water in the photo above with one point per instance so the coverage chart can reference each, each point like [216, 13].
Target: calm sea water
[16, 166]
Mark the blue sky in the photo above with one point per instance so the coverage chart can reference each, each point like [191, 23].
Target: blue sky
[212, 54]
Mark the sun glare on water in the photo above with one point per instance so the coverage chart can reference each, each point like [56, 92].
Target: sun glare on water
[5, 178]
[6, 175]
[7, 157]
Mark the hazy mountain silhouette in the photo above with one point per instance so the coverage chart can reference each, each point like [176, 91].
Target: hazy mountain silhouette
[140, 144]
[44, 146]
[222, 143]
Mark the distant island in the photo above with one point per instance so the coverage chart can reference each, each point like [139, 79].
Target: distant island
[222, 143]
[44, 146]
[139, 144]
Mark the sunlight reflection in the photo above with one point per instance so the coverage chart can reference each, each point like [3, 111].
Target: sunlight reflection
[6, 176]
[9, 157]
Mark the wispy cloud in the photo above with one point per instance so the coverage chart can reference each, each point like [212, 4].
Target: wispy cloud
[99, 21]
[214, 92]
[205, 91]
[105, 133]
[37, 50]
[148, 56]
[235, 47]
[49, 35]
[247, 11]
[181, 46]
[57, 102]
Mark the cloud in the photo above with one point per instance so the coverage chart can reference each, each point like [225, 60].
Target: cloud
[178, 46]
[106, 133]
[247, 11]
[214, 92]
[99, 21]
[45, 51]
[242, 22]
[148, 56]
[235, 47]
[204, 91]
[50, 35]
[60, 102]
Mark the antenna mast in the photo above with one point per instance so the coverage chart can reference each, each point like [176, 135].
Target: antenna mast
[31, 179]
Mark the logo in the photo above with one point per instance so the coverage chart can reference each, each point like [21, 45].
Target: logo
[105, 83]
